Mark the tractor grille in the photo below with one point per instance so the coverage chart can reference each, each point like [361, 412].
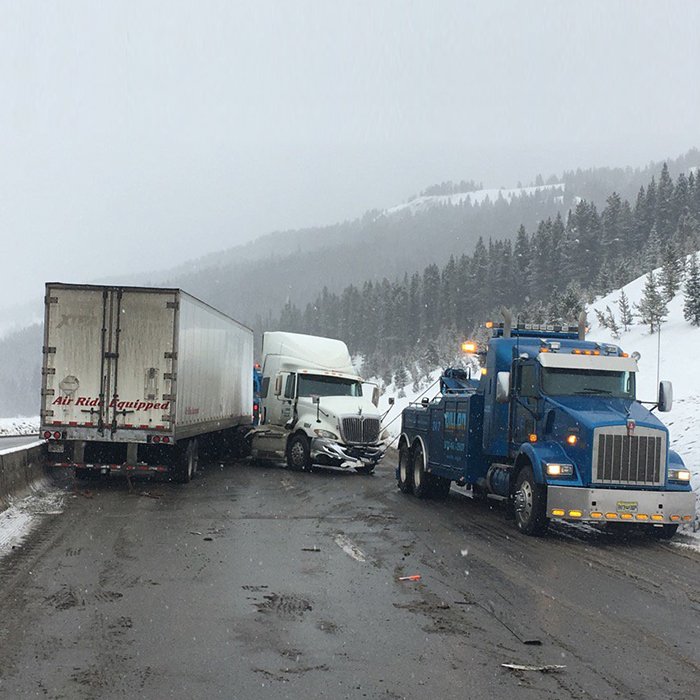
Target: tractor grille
[361, 430]
[638, 459]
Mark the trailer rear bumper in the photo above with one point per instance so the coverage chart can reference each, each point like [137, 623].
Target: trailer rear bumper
[112, 468]
[616, 505]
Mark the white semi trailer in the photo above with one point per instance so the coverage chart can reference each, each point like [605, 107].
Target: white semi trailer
[135, 379]
[313, 407]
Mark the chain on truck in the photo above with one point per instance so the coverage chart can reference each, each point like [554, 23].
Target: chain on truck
[553, 425]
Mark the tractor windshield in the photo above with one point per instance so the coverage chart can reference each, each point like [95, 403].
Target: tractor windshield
[568, 382]
[321, 385]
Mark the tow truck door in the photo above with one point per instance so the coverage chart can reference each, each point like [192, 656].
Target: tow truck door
[524, 402]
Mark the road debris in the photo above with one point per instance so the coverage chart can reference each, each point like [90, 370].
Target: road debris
[547, 668]
[311, 549]
[194, 532]
[412, 577]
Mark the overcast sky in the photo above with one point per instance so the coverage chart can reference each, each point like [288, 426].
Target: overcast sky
[137, 135]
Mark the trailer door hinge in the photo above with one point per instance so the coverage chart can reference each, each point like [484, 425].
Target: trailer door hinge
[170, 355]
[169, 376]
[48, 370]
[168, 397]
[50, 350]
[48, 392]
[51, 300]
[172, 305]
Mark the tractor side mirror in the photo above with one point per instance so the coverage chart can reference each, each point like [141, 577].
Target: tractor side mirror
[392, 401]
[278, 385]
[665, 396]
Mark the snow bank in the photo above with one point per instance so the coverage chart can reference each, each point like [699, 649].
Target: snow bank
[17, 521]
[19, 425]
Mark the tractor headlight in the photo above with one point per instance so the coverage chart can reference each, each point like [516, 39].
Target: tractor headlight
[325, 434]
[557, 469]
[679, 475]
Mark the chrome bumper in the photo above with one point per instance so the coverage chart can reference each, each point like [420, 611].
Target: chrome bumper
[617, 505]
[333, 454]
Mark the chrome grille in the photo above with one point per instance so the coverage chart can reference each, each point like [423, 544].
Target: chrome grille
[619, 458]
[361, 430]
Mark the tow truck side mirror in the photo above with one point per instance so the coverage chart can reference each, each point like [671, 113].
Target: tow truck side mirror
[278, 385]
[665, 396]
[502, 387]
[392, 401]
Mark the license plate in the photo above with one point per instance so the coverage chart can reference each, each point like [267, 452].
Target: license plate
[54, 447]
[627, 506]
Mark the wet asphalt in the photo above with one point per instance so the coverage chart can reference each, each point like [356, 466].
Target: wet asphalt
[256, 582]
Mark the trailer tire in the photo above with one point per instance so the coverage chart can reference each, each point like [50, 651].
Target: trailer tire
[186, 462]
[405, 478]
[421, 480]
[298, 453]
[530, 503]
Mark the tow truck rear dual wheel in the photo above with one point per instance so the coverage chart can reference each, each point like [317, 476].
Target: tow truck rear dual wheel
[405, 479]
[421, 480]
[298, 453]
[530, 501]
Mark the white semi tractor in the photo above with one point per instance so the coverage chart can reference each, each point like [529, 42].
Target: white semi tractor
[136, 379]
[313, 406]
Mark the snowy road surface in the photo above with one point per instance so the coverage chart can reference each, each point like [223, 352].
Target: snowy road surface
[254, 582]
[11, 442]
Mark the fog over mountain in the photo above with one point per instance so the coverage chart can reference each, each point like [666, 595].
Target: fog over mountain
[140, 136]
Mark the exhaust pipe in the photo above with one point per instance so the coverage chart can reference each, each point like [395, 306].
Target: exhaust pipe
[507, 321]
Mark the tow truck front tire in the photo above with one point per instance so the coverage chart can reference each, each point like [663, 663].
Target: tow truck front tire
[530, 502]
[440, 487]
[405, 479]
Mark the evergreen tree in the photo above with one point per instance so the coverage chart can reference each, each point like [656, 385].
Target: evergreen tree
[691, 292]
[671, 270]
[626, 316]
[652, 307]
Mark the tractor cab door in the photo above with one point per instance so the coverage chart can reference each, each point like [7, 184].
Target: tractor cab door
[525, 401]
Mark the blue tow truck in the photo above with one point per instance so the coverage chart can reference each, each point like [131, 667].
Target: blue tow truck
[552, 424]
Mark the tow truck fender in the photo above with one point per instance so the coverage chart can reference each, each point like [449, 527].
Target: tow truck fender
[675, 459]
[539, 453]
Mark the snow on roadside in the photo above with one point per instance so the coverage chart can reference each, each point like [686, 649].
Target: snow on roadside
[20, 425]
[17, 521]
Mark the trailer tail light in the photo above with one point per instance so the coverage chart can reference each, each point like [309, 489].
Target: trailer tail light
[575, 513]
[558, 512]
[657, 516]
[165, 439]
[642, 516]
[47, 434]
[56, 435]
[155, 439]
[596, 514]
[626, 516]
[611, 516]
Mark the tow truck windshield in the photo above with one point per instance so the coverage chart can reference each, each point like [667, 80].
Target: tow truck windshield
[567, 382]
[314, 385]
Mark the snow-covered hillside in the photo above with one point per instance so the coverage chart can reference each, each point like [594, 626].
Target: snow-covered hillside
[476, 197]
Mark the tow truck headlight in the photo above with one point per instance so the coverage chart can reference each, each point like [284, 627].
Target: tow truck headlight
[679, 475]
[556, 469]
[325, 434]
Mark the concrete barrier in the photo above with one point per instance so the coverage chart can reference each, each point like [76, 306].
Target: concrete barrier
[20, 468]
